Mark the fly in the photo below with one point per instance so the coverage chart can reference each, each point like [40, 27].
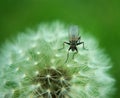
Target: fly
[74, 41]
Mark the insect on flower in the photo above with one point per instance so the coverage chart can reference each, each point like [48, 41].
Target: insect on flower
[74, 41]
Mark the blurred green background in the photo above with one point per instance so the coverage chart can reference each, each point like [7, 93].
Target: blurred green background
[100, 17]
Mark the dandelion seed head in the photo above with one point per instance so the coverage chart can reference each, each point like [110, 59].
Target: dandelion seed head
[85, 76]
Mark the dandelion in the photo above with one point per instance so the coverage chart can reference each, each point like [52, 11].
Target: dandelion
[33, 66]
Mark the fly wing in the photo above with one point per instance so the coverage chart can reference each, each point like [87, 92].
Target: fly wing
[73, 33]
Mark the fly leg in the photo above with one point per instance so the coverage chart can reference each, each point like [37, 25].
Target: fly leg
[82, 44]
[67, 55]
[79, 38]
[64, 45]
